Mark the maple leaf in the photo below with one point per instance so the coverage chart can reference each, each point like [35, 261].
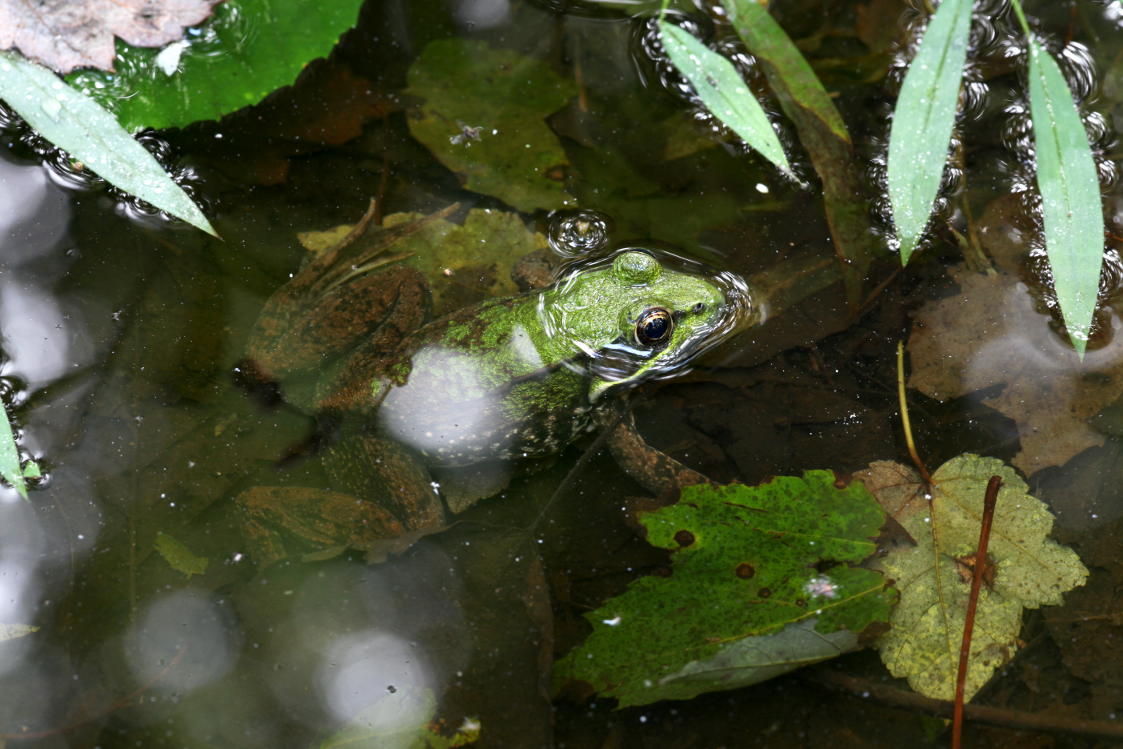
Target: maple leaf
[1030, 570]
[64, 34]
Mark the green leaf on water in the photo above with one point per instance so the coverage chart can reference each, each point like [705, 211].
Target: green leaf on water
[483, 115]
[10, 468]
[91, 135]
[923, 121]
[763, 581]
[246, 50]
[1070, 191]
[178, 556]
[723, 92]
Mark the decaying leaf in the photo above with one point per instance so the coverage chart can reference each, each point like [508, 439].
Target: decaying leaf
[64, 35]
[991, 334]
[933, 577]
[13, 631]
[764, 581]
[483, 115]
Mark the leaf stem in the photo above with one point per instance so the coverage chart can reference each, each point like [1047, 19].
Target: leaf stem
[989, 501]
[920, 467]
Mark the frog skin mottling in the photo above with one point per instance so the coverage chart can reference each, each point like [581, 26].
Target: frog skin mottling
[510, 377]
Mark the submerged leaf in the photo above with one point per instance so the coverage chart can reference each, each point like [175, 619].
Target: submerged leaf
[923, 121]
[933, 576]
[91, 135]
[246, 50]
[1070, 195]
[178, 556]
[68, 35]
[723, 92]
[763, 582]
[483, 116]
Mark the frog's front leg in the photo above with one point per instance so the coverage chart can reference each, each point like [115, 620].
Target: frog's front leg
[652, 469]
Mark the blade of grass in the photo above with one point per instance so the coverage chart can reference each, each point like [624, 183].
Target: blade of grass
[821, 131]
[9, 455]
[1070, 191]
[723, 92]
[79, 126]
[923, 121]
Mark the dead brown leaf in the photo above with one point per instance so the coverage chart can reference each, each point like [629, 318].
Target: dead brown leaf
[990, 334]
[64, 34]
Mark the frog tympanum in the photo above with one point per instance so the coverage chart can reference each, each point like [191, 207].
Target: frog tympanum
[419, 411]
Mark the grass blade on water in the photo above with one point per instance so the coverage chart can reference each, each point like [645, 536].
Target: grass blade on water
[79, 126]
[1070, 191]
[723, 92]
[923, 121]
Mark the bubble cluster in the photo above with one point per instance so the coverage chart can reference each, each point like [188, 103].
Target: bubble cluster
[578, 232]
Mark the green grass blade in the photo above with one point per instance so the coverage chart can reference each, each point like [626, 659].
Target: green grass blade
[923, 121]
[723, 92]
[91, 135]
[9, 455]
[1070, 195]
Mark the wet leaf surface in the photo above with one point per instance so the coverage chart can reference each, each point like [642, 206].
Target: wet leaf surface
[991, 334]
[761, 582]
[1031, 570]
[483, 116]
[66, 35]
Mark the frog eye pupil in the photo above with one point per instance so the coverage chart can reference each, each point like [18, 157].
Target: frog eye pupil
[654, 326]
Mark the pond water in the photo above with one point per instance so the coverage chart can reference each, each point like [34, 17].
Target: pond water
[124, 338]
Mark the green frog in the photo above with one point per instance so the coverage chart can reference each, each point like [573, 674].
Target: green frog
[425, 417]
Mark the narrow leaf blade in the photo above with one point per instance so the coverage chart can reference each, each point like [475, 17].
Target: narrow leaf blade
[91, 135]
[1070, 195]
[723, 92]
[9, 455]
[923, 121]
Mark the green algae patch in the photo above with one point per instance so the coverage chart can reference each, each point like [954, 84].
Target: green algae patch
[483, 115]
[934, 579]
[763, 580]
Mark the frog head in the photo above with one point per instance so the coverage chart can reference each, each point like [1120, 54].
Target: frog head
[635, 318]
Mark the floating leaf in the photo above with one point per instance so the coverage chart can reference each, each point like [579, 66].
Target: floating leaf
[1030, 570]
[763, 582]
[13, 631]
[483, 116]
[1070, 191]
[248, 49]
[723, 92]
[821, 131]
[923, 121]
[10, 468]
[64, 36]
[176, 554]
[91, 135]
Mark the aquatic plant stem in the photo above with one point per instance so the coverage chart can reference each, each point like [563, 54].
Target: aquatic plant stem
[989, 501]
[920, 467]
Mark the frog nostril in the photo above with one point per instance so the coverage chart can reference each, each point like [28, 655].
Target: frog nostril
[698, 308]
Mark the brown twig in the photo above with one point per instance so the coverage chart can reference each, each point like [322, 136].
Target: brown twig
[1015, 720]
[989, 501]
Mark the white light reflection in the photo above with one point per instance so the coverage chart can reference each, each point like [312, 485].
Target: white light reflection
[481, 14]
[182, 641]
[378, 682]
[21, 544]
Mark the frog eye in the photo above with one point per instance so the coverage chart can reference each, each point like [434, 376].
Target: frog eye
[654, 326]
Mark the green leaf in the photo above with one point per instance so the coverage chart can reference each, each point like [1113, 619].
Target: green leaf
[821, 131]
[483, 116]
[1030, 570]
[1070, 192]
[10, 468]
[723, 92]
[79, 126]
[763, 582]
[176, 554]
[923, 121]
[246, 50]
